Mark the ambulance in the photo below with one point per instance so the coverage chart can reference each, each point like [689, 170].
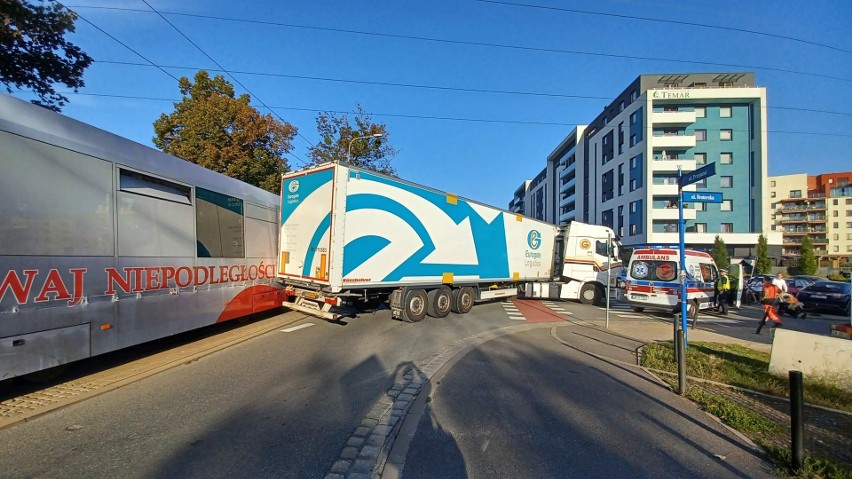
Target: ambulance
[652, 280]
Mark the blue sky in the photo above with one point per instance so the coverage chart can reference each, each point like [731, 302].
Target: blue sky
[457, 136]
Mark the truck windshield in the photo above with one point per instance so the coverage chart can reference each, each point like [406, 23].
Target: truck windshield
[653, 270]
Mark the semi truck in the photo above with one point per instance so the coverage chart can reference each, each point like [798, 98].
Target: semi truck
[350, 235]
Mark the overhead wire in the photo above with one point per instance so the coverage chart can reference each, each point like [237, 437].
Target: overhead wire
[433, 87]
[488, 44]
[667, 21]
[443, 118]
[236, 80]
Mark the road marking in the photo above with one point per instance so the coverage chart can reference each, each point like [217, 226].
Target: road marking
[296, 328]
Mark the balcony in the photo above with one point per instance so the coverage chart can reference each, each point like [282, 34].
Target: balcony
[686, 164]
[803, 219]
[672, 142]
[802, 209]
[671, 214]
[798, 241]
[674, 118]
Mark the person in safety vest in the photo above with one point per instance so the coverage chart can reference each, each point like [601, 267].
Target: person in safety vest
[723, 289]
[771, 294]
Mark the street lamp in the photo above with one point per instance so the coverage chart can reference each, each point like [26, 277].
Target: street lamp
[374, 135]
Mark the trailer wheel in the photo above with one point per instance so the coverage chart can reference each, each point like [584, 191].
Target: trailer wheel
[414, 307]
[590, 293]
[462, 300]
[439, 302]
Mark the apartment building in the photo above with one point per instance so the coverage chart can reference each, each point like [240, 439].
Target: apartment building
[621, 169]
[816, 206]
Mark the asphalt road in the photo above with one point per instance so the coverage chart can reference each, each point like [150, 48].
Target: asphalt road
[289, 403]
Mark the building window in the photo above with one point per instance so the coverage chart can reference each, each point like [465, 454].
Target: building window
[772, 183]
[632, 184]
[726, 158]
[837, 249]
[795, 193]
[835, 225]
[700, 112]
[621, 106]
[700, 206]
[700, 227]
[726, 182]
[849, 236]
[834, 202]
[633, 117]
[849, 225]
[772, 194]
[632, 140]
[724, 111]
[726, 135]
[727, 228]
[700, 158]
[698, 184]
[848, 201]
[835, 213]
[700, 135]
[727, 205]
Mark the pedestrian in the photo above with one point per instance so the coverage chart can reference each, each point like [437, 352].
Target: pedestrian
[771, 293]
[723, 286]
[779, 281]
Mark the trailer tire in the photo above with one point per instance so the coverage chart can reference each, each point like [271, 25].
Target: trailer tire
[590, 293]
[439, 302]
[414, 306]
[462, 300]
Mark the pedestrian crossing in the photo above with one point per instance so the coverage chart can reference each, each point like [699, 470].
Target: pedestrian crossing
[619, 310]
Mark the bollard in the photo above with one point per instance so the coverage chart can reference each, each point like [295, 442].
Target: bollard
[681, 363]
[797, 418]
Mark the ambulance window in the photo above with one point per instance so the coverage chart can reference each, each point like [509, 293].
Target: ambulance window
[706, 272]
[653, 270]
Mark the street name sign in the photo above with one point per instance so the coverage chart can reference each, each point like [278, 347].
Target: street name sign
[697, 175]
[701, 197]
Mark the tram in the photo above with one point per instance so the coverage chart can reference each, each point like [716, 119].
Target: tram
[106, 243]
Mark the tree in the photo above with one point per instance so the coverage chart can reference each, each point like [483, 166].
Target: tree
[763, 264]
[807, 261]
[719, 252]
[34, 53]
[338, 137]
[216, 130]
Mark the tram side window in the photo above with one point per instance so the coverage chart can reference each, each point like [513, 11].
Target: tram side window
[220, 225]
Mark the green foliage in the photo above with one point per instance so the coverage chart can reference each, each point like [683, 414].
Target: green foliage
[763, 264]
[214, 129]
[807, 261]
[740, 418]
[34, 53]
[837, 277]
[339, 139]
[742, 367]
[719, 252]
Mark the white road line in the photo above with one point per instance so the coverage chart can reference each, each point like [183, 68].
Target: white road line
[519, 319]
[631, 316]
[296, 328]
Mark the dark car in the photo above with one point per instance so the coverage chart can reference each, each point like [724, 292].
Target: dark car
[797, 283]
[827, 296]
[810, 279]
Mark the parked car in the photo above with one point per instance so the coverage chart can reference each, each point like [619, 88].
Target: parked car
[812, 279]
[797, 283]
[753, 288]
[833, 296]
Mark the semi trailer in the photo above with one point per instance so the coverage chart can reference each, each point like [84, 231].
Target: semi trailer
[348, 235]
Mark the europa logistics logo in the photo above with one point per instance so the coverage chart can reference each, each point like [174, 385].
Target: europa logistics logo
[294, 186]
[534, 239]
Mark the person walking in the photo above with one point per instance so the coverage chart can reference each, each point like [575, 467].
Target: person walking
[771, 293]
[723, 288]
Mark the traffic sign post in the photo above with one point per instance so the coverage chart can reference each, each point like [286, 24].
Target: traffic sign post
[703, 197]
[684, 180]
